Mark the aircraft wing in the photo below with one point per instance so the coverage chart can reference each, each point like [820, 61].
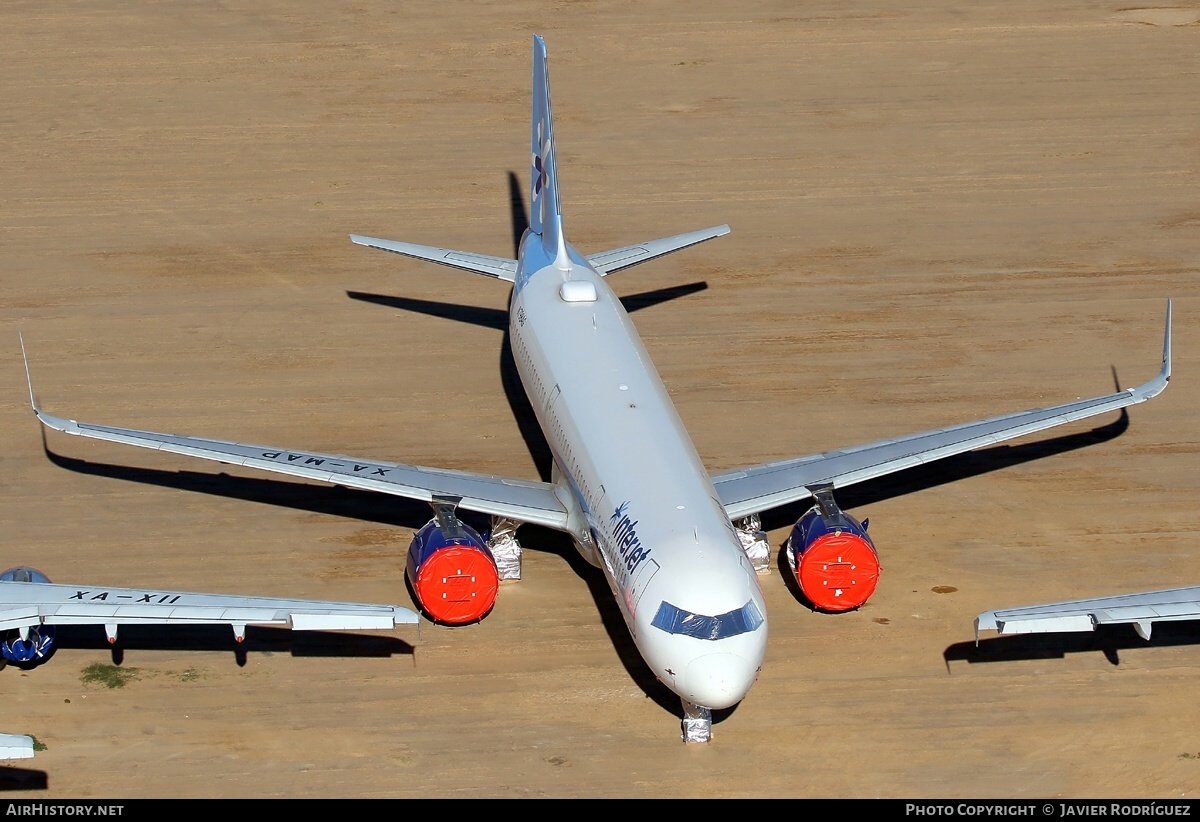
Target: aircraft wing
[15, 746]
[502, 268]
[761, 487]
[522, 500]
[606, 262]
[1085, 614]
[29, 604]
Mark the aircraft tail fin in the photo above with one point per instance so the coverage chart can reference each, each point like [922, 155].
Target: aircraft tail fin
[546, 214]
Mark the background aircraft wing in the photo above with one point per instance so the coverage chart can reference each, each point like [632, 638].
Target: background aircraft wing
[606, 262]
[759, 488]
[522, 500]
[29, 604]
[1085, 614]
[14, 746]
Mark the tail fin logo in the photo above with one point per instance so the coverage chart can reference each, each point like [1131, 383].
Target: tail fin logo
[542, 182]
[542, 145]
[541, 173]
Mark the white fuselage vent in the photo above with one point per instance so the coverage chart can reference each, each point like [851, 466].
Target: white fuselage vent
[578, 291]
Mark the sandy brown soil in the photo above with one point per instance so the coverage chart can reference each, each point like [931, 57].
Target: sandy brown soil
[939, 213]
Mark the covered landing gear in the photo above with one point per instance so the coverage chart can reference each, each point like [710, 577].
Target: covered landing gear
[502, 542]
[697, 723]
[754, 543]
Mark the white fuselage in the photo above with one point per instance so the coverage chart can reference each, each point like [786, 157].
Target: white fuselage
[646, 511]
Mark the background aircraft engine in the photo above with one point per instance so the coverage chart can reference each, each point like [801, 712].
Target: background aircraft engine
[833, 558]
[39, 641]
[33, 649]
[452, 573]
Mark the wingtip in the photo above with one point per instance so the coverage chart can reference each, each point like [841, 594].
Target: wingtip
[985, 622]
[405, 616]
[47, 420]
[28, 377]
[1166, 364]
[1159, 384]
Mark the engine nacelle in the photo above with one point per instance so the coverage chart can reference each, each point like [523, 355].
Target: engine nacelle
[833, 558]
[452, 573]
[33, 644]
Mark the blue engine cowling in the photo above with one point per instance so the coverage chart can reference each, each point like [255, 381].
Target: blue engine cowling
[39, 640]
[834, 560]
[453, 575]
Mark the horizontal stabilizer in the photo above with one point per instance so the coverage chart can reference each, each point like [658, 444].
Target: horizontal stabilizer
[502, 268]
[606, 262]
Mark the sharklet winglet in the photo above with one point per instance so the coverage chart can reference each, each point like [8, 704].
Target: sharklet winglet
[28, 378]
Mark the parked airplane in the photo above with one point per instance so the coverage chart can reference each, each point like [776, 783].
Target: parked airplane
[31, 606]
[1143, 610]
[627, 484]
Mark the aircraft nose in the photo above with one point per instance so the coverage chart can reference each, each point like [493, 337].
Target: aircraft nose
[719, 680]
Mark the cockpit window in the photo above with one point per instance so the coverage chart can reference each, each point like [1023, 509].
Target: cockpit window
[677, 621]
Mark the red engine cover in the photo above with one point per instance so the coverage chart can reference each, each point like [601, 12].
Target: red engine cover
[835, 561]
[453, 574]
[838, 572]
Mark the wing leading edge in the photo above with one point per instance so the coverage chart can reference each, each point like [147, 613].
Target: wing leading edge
[1142, 610]
[761, 487]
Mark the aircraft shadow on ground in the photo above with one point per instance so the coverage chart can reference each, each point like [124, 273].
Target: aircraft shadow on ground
[941, 472]
[518, 216]
[22, 779]
[497, 319]
[548, 541]
[259, 640]
[368, 506]
[514, 392]
[952, 469]
[1109, 640]
[361, 505]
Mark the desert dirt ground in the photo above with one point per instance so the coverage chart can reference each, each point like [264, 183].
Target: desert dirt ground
[940, 213]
